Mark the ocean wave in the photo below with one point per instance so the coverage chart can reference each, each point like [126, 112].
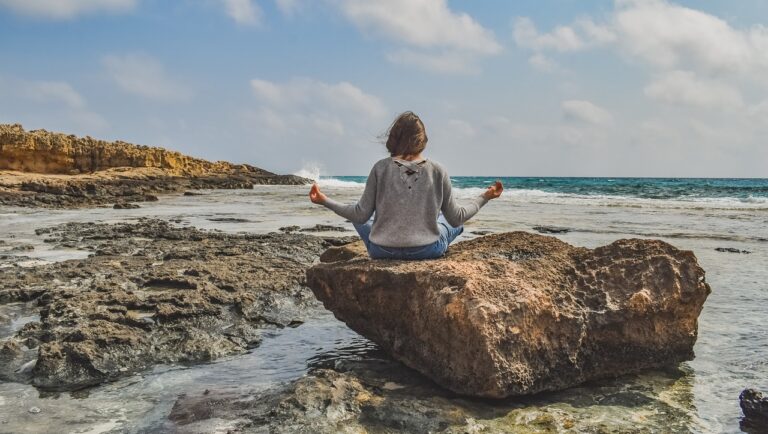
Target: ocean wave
[750, 203]
[545, 197]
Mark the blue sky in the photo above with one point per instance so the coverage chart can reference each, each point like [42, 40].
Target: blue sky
[539, 88]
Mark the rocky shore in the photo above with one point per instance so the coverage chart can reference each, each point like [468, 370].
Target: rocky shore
[151, 293]
[44, 169]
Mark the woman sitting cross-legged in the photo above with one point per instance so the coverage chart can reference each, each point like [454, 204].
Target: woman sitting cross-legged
[407, 210]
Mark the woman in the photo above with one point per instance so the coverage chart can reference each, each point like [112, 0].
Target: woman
[416, 216]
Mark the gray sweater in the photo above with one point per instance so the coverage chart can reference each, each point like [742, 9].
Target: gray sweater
[407, 198]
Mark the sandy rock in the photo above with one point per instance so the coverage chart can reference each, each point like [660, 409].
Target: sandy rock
[518, 313]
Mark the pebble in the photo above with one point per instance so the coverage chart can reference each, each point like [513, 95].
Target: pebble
[34, 410]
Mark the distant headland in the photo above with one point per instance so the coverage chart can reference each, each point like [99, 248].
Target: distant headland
[56, 170]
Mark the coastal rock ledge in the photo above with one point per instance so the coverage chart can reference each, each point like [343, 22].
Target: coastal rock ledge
[518, 313]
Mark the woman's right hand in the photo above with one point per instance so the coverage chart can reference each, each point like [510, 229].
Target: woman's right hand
[315, 195]
[494, 191]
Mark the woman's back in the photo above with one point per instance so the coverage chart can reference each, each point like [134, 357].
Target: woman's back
[407, 193]
[407, 197]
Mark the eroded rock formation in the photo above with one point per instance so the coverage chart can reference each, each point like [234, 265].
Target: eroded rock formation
[151, 293]
[41, 151]
[518, 313]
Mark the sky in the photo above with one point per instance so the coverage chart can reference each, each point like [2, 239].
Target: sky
[506, 88]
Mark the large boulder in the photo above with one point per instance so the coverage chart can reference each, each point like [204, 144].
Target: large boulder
[519, 313]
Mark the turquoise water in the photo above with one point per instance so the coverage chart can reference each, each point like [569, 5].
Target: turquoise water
[746, 190]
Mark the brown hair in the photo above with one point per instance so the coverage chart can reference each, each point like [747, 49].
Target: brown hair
[406, 136]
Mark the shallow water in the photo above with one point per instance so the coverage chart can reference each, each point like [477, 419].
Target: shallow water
[731, 352]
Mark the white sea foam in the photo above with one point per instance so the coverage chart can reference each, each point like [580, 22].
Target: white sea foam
[309, 171]
[314, 172]
[338, 183]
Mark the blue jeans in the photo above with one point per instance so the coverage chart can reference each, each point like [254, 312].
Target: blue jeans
[437, 249]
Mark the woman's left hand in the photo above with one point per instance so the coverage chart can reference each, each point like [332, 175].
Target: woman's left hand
[316, 196]
[494, 191]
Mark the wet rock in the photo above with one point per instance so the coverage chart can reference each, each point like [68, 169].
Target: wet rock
[326, 401]
[732, 250]
[125, 206]
[518, 313]
[289, 229]
[156, 293]
[22, 248]
[341, 241]
[228, 220]
[375, 394]
[325, 228]
[551, 230]
[481, 232]
[192, 193]
[755, 408]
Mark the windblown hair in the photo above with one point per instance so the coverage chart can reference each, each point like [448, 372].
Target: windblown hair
[406, 136]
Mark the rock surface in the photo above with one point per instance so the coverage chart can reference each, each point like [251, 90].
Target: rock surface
[551, 230]
[755, 408]
[519, 313]
[151, 293]
[40, 168]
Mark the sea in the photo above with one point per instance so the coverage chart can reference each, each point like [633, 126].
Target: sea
[723, 221]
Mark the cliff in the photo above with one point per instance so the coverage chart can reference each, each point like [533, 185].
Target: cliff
[41, 151]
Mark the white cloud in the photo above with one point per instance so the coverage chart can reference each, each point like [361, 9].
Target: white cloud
[580, 36]
[425, 25]
[312, 95]
[244, 12]
[695, 58]
[268, 90]
[544, 63]
[53, 91]
[427, 34]
[683, 87]
[421, 23]
[664, 35]
[308, 111]
[66, 9]
[288, 7]
[142, 75]
[49, 103]
[672, 36]
[585, 111]
[562, 38]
